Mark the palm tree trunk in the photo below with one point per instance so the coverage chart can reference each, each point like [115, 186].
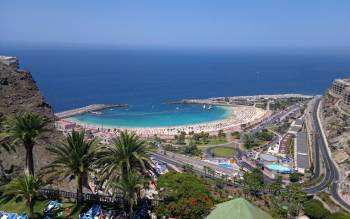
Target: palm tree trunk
[31, 209]
[80, 188]
[131, 207]
[29, 160]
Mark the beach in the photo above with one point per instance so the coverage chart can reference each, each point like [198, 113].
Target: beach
[239, 115]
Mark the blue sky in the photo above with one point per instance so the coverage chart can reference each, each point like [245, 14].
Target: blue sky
[179, 23]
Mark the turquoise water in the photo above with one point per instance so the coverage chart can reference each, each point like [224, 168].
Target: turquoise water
[163, 115]
[226, 165]
[277, 167]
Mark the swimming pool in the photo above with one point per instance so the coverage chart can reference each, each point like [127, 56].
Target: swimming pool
[277, 167]
[226, 165]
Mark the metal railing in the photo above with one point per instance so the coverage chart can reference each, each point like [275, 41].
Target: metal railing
[117, 200]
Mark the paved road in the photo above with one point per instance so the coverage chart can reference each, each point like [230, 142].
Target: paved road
[274, 119]
[331, 176]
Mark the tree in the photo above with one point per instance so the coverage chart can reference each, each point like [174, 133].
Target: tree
[127, 154]
[221, 134]
[184, 195]
[276, 186]
[254, 181]
[314, 209]
[23, 128]
[188, 168]
[290, 200]
[236, 135]
[249, 141]
[180, 139]
[26, 187]
[191, 149]
[130, 186]
[294, 177]
[73, 157]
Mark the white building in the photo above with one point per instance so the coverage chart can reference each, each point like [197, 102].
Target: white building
[8, 60]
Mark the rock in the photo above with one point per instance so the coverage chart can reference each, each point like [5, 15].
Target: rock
[19, 93]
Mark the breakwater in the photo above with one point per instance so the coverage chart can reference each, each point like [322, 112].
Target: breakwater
[86, 109]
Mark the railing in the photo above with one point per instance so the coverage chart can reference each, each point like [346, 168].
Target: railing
[118, 200]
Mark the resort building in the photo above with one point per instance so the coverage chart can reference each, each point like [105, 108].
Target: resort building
[345, 101]
[338, 87]
[9, 61]
[301, 153]
[65, 126]
[341, 89]
[267, 158]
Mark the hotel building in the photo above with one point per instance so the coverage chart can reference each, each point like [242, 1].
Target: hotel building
[341, 89]
[9, 61]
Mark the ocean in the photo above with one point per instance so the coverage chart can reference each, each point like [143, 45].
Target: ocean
[71, 77]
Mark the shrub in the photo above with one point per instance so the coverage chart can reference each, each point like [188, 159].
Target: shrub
[314, 209]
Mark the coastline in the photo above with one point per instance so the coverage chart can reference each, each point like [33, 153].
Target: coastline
[229, 109]
[239, 115]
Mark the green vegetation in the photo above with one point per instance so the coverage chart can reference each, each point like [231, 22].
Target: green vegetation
[338, 215]
[289, 201]
[258, 139]
[130, 186]
[127, 154]
[223, 151]
[73, 157]
[71, 208]
[295, 177]
[25, 187]
[213, 141]
[19, 205]
[24, 129]
[283, 103]
[314, 209]
[191, 149]
[180, 139]
[283, 128]
[186, 195]
[253, 182]
[291, 147]
[236, 135]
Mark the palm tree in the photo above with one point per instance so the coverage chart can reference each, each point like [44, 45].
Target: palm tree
[26, 187]
[23, 128]
[73, 157]
[127, 154]
[130, 186]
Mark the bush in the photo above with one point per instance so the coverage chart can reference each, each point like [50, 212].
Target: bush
[184, 195]
[294, 177]
[338, 215]
[314, 209]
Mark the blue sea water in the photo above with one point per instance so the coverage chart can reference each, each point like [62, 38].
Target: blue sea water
[162, 115]
[71, 77]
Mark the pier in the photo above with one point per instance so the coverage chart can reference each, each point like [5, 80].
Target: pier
[86, 109]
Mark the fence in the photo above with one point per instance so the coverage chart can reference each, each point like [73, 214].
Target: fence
[118, 200]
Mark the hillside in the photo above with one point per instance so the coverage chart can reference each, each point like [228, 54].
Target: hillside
[336, 124]
[19, 93]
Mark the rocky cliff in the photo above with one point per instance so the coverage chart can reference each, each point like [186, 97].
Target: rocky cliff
[19, 93]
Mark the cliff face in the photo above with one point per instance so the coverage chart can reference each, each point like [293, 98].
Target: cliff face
[19, 93]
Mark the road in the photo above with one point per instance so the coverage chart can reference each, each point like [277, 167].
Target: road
[331, 175]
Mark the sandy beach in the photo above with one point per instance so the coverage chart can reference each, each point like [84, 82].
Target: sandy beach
[238, 115]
